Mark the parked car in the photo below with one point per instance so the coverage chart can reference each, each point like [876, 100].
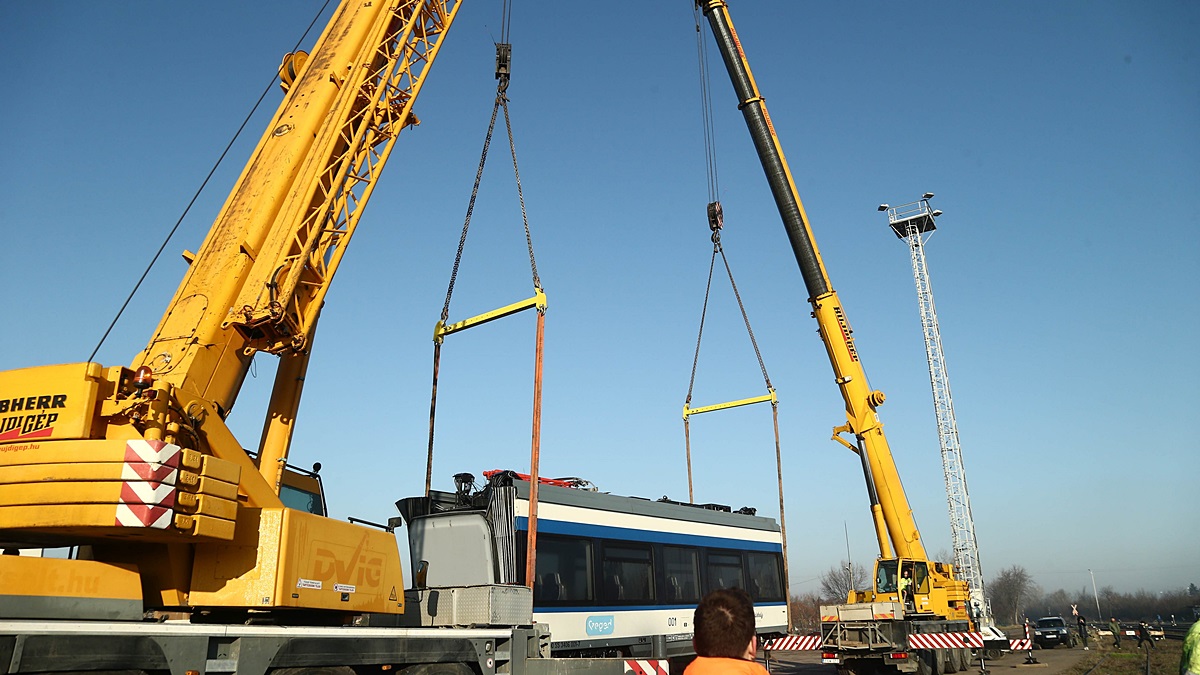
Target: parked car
[1052, 631]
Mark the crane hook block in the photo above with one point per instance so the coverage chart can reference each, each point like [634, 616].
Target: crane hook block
[716, 216]
[503, 62]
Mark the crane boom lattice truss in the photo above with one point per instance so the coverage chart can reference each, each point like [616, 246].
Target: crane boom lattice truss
[915, 224]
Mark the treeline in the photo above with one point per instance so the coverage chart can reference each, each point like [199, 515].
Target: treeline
[1014, 596]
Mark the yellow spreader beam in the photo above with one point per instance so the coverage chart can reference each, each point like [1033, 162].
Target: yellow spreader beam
[688, 411]
[538, 301]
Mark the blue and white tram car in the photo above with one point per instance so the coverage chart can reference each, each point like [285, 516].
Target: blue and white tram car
[614, 575]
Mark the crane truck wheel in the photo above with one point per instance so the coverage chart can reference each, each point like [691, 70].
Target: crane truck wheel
[953, 660]
[931, 662]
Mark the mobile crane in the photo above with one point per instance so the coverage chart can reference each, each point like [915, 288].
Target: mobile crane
[191, 554]
[876, 629]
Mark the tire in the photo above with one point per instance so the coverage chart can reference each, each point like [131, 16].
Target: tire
[929, 662]
[954, 660]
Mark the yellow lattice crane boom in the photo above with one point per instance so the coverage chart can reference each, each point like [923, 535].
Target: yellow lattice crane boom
[135, 465]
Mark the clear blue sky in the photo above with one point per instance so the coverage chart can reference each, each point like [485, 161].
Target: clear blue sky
[1062, 140]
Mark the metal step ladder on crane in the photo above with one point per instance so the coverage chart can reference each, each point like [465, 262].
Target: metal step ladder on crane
[915, 223]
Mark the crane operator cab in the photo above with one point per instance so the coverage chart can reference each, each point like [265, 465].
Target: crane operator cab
[903, 580]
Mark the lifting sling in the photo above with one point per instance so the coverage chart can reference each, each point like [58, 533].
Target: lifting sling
[537, 302]
[716, 223]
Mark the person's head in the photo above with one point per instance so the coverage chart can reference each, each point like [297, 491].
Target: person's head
[724, 625]
[907, 573]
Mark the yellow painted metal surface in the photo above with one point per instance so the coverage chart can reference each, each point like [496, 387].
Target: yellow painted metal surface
[765, 398]
[287, 558]
[538, 302]
[48, 403]
[68, 579]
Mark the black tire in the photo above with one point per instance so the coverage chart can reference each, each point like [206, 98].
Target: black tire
[991, 654]
[954, 660]
[929, 662]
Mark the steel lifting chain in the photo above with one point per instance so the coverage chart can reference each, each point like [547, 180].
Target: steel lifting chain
[716, 221]
[503, 73]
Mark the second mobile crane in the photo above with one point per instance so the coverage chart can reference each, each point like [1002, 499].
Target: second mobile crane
[876, 630]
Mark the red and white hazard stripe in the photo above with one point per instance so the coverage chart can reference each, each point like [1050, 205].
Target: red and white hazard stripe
[148, 484]
[143, 515]
[646, 667]
[936, 640]
[793, 643]
[1020, 645]
[152, 452]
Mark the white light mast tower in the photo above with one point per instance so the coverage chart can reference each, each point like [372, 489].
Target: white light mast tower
[915, 224]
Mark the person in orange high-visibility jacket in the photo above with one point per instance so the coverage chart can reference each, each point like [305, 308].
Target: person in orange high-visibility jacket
[723, 635]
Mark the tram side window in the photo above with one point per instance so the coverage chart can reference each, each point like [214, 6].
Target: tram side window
[564, 570]
[628, 573]
[681, 568]
[725, 571]
[765, 581]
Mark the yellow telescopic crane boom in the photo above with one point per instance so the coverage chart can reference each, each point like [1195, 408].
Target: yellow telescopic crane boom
[894, 524]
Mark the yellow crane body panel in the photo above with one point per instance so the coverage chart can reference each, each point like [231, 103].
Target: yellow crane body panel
[287, 558]
[48, 403]
[31, 587]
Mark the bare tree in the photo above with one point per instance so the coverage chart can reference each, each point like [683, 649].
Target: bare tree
[806, 613]
[1009, 592]
[837, 583]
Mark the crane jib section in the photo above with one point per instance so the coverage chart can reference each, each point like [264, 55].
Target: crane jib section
[259, 279]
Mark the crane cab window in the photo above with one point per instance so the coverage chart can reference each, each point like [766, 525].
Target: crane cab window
[885, 576]
[302, 491]
[920, 575]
